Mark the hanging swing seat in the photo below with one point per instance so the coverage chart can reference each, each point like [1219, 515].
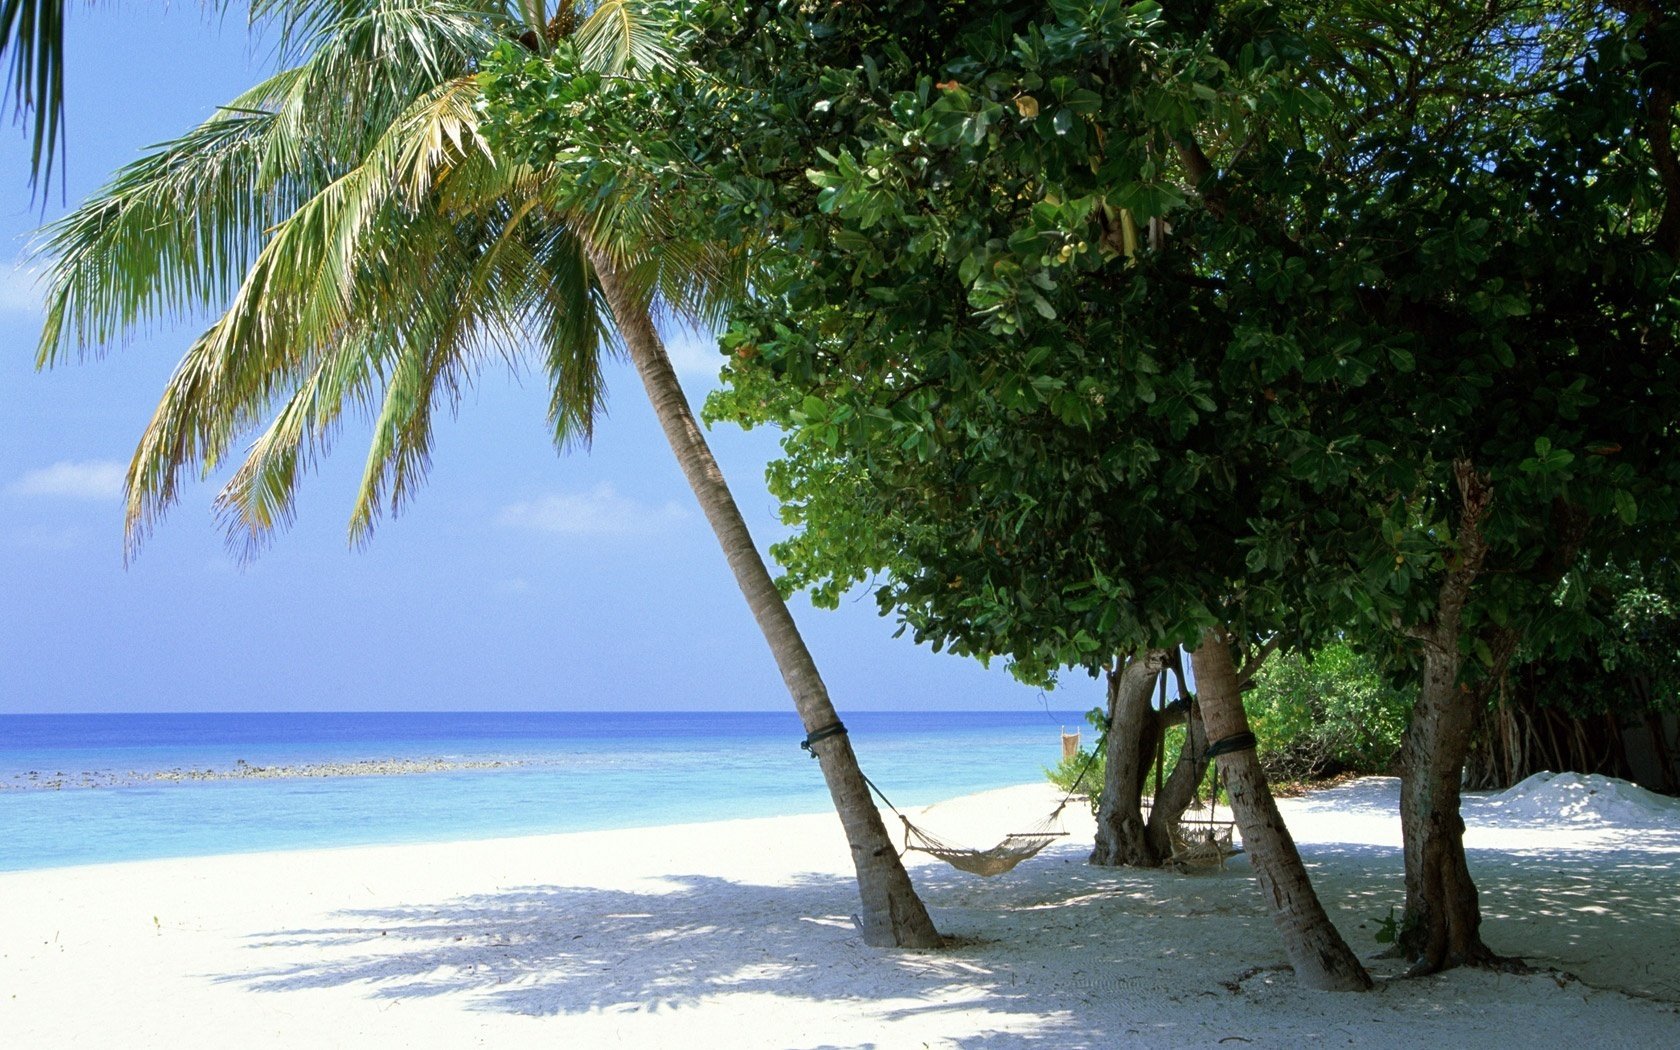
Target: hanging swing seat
[1202, 848]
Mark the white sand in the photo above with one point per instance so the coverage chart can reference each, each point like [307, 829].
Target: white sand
[737, 935]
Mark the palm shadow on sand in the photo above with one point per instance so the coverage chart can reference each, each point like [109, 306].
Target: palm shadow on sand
[1072, 956]
[551, 950]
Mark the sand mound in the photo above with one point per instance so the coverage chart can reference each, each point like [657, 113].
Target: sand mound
[1586, 799]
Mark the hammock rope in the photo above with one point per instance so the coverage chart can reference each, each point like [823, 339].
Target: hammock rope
[1012, 850]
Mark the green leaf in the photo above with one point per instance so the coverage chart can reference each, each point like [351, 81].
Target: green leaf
[1626, 507]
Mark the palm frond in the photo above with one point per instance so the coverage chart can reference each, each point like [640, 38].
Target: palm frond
[259, 497]
[33, 32]
[171, 233]
[619, 36]
[370, 253]
[307, 26]
[174, 231]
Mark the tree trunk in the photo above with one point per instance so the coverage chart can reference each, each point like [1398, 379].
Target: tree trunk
[1322, 960]
[1443, 916]
[1442, 924]
[1120, 828]
[1180, 786]
[892, 913]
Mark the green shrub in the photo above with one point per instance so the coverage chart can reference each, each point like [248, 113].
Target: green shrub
[1328, 715]
[1313, 719]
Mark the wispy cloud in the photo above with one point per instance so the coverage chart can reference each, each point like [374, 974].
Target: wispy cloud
[98, 479]
[598, 512]
[694, 354]
[20, 291]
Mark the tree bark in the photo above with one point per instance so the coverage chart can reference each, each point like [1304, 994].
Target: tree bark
[892, 913]
[1321, 958]
[1443, 919]
[1173, 799]
[1121, 838]
[1443, 916]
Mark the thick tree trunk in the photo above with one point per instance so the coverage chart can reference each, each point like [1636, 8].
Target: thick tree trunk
[1443, 920]
[1321, 959]
[1442, 924]
[1120, 829]
[892, 913]
[1173, 799]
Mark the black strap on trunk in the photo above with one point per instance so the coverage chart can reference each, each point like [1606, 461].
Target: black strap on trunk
[1231, 744]
[832, 729]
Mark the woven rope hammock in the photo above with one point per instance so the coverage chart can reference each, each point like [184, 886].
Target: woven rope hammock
[1014, 848]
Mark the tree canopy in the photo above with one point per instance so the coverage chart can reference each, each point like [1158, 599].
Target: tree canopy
[1098, 326]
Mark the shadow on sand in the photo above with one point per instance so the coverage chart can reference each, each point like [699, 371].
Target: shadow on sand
[1026, 958]
[1072, 956]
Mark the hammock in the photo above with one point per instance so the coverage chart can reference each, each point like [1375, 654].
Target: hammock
[1014, 848]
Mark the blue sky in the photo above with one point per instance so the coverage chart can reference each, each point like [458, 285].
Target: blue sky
[519, 579]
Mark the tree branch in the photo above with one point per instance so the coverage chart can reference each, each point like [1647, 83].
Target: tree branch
[1657, 124]
[1202, 175]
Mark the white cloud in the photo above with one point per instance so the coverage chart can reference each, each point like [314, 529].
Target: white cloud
[694, 354]
[599, 512]
[99, 479]
[20, 291]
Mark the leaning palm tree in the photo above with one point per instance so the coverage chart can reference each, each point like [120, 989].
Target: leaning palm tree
[368, 249]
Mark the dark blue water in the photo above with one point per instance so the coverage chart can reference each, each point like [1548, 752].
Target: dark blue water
[575, 771]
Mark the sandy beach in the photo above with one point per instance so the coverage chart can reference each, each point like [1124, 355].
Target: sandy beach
[739, 934]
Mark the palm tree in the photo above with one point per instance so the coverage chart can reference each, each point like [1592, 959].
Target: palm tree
[370, 250]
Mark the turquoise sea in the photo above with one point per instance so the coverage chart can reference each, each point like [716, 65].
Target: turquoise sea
[566, 771]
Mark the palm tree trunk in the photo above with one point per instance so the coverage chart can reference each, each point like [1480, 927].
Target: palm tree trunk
[892, 913]
[1321, 958]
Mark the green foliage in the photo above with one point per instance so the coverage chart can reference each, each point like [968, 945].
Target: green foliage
[1626, 661]
[1388, 929]
[1092, 324]
[1332, 713]
[32, 44]
[1050, 430]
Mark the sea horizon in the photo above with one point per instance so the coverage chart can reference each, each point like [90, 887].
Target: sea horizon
[94, 787]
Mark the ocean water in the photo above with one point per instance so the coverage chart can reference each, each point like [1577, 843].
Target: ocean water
[566, 771]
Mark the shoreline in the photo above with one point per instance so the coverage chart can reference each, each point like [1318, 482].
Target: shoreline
[739, 933]
[512, 841]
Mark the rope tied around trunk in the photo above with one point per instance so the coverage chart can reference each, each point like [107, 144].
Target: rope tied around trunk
[817, 735]
[1230, 745]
